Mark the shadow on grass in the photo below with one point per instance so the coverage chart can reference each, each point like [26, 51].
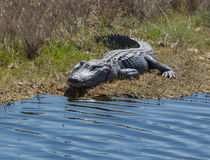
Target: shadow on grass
[76, 92]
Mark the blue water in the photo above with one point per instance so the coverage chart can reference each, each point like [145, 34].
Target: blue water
[53, 128]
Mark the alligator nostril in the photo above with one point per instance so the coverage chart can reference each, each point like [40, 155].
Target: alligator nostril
[73, 80]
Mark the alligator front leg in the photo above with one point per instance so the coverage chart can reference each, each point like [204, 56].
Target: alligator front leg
[128, 73]
[166, 71]
[77, 66]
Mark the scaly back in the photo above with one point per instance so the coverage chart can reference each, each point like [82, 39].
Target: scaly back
[123, 46]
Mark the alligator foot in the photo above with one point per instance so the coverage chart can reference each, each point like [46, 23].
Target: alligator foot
[169, 74]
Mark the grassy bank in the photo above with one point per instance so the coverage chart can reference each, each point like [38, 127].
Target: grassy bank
[180, 40]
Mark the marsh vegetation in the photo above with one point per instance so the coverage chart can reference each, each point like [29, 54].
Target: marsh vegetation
[41, 40]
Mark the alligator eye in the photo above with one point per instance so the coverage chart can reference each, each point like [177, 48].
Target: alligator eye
[86, 65]
[93, 67]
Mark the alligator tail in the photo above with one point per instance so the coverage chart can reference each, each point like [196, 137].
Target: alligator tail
[116, 41]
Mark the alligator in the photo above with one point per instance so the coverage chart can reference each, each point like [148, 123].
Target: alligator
[123, 63]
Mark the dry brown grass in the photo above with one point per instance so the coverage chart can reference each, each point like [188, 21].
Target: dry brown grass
[26, 85]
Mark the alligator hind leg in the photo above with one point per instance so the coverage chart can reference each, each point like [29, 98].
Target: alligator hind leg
[166, 71]
[77, 66]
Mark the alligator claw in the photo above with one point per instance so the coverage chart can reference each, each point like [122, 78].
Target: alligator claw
[168, 74]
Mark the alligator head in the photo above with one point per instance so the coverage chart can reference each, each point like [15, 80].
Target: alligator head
[90, 74]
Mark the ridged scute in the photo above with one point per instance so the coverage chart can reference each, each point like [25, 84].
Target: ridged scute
[116, 41]
[143, 45]
[124, 47]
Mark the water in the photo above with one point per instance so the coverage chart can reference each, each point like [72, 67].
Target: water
[51, 127]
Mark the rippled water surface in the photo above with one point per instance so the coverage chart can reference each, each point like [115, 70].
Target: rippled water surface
[51, 127]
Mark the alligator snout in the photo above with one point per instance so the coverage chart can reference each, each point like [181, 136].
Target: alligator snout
[73, 80]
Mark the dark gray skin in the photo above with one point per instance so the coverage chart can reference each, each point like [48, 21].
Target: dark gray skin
[117, 64]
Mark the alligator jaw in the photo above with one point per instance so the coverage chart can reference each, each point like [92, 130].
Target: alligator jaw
[75, 83]
[70, 84]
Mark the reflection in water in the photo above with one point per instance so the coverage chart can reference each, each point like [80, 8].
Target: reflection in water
[51, 127]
